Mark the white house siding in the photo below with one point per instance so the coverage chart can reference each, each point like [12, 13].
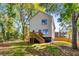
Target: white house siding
[35, 24]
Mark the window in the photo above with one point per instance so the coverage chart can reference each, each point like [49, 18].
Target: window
[44, 21]
[39, 31]
[45, 31]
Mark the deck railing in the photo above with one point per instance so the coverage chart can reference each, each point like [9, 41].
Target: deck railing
[38, 36]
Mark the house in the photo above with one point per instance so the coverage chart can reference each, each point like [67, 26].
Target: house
[69, 34]
[43, 23]
[60, 34]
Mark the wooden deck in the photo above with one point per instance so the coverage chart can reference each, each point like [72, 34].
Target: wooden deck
[37, 36]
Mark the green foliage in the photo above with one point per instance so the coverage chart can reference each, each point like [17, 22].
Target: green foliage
[44, 49]
[18, 53]
[12, 14]
[20, 49]
[53, 49]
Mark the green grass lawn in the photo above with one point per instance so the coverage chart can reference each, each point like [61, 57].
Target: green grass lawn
[22, 49]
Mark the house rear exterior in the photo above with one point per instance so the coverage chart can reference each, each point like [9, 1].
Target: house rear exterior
[44, 23]
[69, 35]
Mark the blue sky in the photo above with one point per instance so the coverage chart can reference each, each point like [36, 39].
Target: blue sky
[56, 23]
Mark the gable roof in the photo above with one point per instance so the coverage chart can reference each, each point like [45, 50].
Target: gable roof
[40, 12]
[45, 14]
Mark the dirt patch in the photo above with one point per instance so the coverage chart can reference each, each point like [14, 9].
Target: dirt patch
[5, 45]
[68, 51]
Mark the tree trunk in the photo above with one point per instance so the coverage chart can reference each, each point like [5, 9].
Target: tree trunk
[24, 25]
[3, 32]
[74, 32]
[22, 20]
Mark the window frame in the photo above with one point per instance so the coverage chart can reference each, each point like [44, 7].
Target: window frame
[45, 31]
[44, 21]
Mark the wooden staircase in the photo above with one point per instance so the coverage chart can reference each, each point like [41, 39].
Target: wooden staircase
[38, 37]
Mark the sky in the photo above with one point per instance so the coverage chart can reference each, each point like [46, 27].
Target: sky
[56, 23]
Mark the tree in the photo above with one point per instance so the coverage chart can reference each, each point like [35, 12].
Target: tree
[10, 16]
[2, 21]
[71, 12]
[67, 12]
[28, 10]
[25, 10]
